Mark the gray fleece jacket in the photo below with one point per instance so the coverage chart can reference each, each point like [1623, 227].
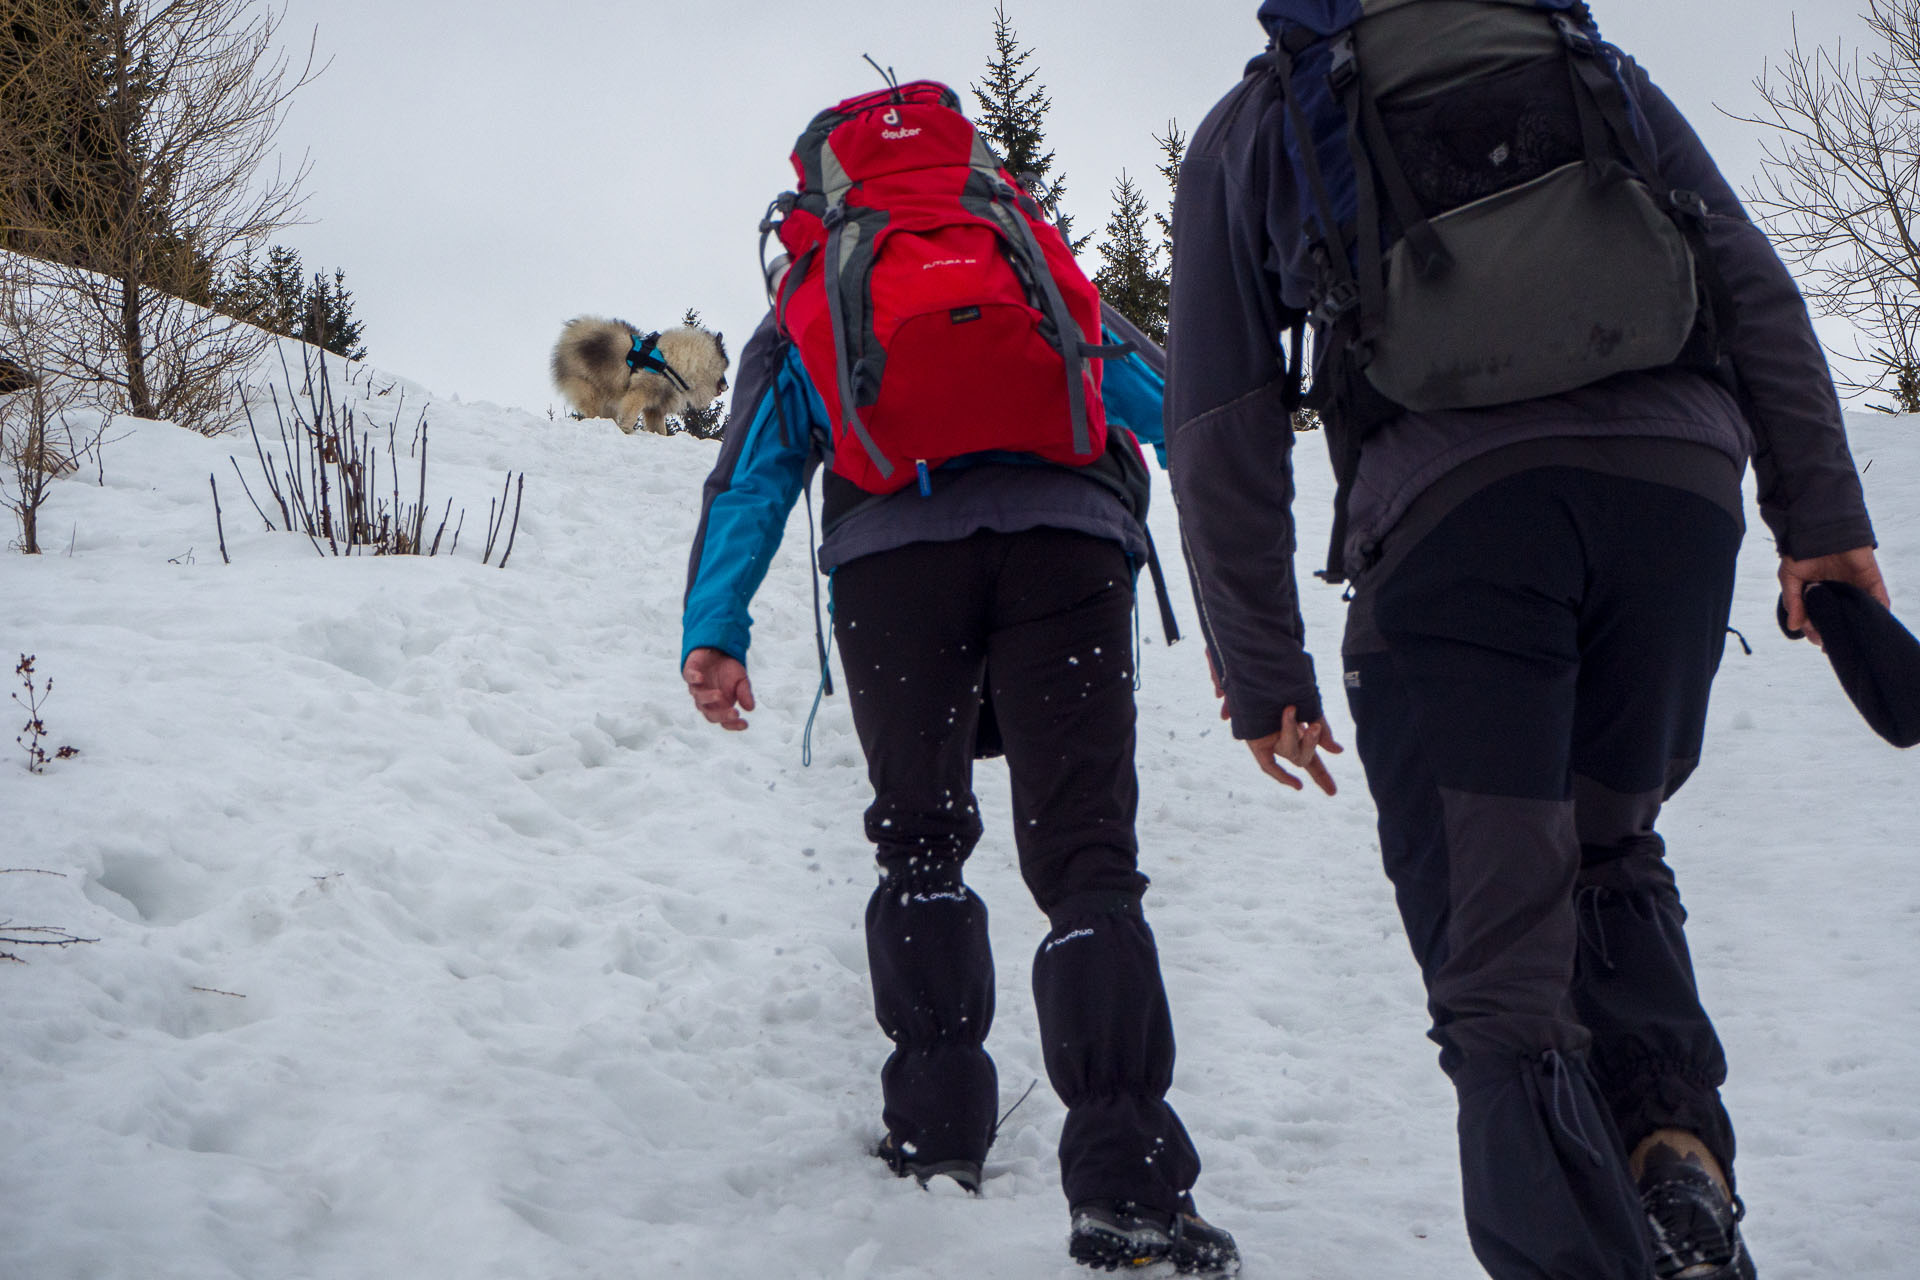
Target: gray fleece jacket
[1241, 277]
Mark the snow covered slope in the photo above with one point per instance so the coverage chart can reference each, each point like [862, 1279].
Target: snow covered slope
[437, 937]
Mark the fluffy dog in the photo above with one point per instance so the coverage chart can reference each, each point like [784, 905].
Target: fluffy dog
[590, 369]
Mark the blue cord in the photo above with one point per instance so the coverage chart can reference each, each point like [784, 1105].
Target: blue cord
[826, 658]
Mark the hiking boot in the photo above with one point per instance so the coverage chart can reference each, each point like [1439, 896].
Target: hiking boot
[1694, 1224]
[1120, 1233]
[901, 1160]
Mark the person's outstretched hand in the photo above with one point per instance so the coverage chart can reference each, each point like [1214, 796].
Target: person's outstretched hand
[1299, 745]
[720, 688]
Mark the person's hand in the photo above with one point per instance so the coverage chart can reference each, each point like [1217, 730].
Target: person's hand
[1856, 566]
[1299, 745]
[720, 688]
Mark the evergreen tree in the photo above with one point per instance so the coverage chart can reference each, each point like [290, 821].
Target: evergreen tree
[1013, 116]
[708, 423]
[80, 169]
[55, 130]
[1132, 280]
[279, 296]
[267, 294]
[327, 320]
[1173, 149]
[13, 377]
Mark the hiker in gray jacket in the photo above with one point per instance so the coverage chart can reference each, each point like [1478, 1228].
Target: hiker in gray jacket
[1541, 585]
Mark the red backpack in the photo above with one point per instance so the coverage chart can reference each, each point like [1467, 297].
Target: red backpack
[937, 312]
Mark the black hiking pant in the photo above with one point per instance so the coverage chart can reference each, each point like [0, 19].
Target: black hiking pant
[1548, 650]
[1040, 622]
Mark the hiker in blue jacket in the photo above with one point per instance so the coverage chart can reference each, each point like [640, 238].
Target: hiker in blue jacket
[1541, 592]
[991, 615]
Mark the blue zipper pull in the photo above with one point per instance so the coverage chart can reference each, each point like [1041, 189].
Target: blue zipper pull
[926, 481]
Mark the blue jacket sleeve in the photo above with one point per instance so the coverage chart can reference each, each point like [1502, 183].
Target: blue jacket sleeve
[762, 468]
[1134, 387]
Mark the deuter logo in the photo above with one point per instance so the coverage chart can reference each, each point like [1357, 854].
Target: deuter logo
[892, 117]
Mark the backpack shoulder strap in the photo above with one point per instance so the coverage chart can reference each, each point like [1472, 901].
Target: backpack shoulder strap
[1344, 292]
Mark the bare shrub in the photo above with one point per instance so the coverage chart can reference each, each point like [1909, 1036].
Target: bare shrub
[33, 935]
[38, 436]
[35, 729]
[323, 476]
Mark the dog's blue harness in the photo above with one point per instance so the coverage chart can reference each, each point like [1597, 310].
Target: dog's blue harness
[646, 356]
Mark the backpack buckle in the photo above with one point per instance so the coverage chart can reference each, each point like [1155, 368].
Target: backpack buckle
[782, 204]
[1340, 301]
[1688, 202]
[1573, 37]
[1345, 67]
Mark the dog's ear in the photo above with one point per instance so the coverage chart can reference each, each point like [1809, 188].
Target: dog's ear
[720, 341]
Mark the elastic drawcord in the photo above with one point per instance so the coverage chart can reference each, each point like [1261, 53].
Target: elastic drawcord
[826, 656]
[1566, 1102]
[1592, 925]
[1137, 650]
[1010, 1110]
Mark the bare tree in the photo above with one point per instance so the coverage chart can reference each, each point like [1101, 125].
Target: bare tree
[1840, 190]
[38, 436]
[133, 162]
[28, 460]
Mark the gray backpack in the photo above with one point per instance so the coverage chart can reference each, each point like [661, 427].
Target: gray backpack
[1482, 208]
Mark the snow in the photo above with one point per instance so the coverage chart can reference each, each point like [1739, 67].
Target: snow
[437, 937]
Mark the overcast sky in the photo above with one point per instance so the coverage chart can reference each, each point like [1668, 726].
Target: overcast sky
[485, 171]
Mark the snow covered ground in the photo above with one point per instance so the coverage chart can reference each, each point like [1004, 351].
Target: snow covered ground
[437, 937]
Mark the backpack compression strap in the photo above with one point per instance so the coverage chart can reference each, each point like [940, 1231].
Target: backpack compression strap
[837, 251]
[1598, 92]
[646, 357]
[1073, 349]
[1601, 100]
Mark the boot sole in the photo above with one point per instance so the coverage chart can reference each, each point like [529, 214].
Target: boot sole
[1105, 1249]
